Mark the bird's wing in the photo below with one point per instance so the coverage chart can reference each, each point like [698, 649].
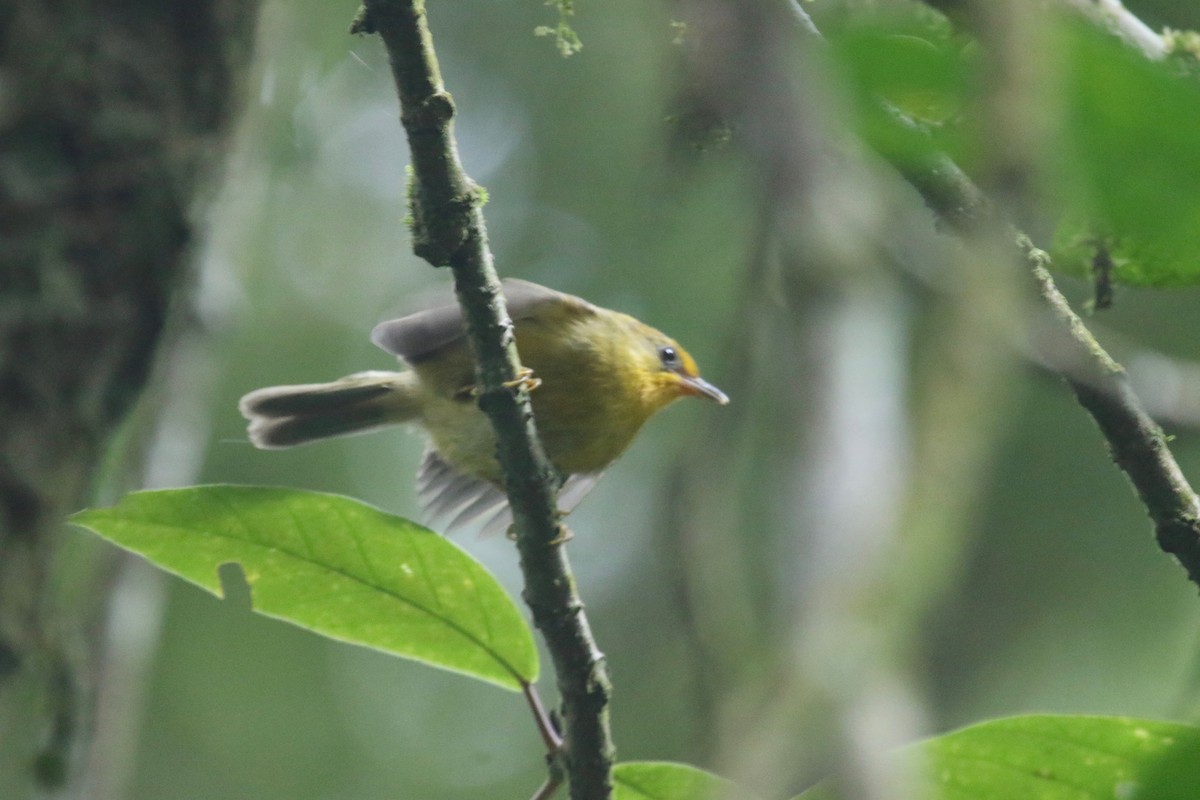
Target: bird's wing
[453, 501]
[422, 334]
[575, 489]
[497, 519]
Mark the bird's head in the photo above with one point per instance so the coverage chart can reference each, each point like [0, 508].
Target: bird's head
[667, 371]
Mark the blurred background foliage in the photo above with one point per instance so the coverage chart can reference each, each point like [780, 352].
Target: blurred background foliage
[993, 560]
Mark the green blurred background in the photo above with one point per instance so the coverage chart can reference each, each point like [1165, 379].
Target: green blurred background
[1055, 599]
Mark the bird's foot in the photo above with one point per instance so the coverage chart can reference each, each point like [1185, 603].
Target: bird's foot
[562, 535]
[525, 380]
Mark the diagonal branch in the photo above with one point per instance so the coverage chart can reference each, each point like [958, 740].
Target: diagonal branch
[1136, 442]
[448, 230]
[1100, 384]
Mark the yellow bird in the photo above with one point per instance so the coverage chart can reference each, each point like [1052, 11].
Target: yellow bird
[599, 375]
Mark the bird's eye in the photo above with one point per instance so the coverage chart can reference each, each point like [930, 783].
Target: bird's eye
[669, 356]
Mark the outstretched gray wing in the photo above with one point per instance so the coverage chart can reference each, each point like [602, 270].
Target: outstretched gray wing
[421, 334]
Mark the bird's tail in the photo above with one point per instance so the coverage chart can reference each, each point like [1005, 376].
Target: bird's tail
[285, 416]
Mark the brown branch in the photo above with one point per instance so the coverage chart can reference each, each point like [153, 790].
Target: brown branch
[1099, 382]
[1136, 442]
[448, 230]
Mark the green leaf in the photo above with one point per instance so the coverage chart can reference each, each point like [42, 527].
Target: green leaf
[663, 780]
[916, 68]
[1130, 163]
[336, 566]
[1050, 757]
[1135, 262]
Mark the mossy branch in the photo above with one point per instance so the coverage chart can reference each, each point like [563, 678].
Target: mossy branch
[1100, 384]
[1136, 442]
[448, 230]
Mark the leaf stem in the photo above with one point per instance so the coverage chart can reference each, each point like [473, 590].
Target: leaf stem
[548, 789]
[545, 725]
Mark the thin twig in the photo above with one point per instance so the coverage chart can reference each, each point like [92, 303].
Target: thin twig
[448, 230]
[1136, 442]
[1111, 15]
[1169, 387]
[550, 735]
[549, 788]
[1115, 18]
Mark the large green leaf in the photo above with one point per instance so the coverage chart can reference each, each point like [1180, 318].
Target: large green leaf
[1048, 757]
[1079, 242]
[912, 65]
[664, 780]
[1122, 167]
[1132, 164]
[335, 566]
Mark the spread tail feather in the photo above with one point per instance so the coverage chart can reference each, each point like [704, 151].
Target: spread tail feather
[285, 416]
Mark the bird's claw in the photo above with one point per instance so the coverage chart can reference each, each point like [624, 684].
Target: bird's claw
[562, 536]
[525, 380]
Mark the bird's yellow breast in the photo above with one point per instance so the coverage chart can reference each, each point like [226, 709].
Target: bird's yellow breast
[600, 382]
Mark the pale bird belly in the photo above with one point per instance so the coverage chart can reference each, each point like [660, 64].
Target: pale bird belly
[463, 436]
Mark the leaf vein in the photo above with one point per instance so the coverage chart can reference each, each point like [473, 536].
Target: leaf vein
[438, 615]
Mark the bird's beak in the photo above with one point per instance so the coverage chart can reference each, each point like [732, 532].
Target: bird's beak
[702, 388]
